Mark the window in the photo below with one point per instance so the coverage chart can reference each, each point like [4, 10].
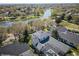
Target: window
[45, 39]
[36, 44]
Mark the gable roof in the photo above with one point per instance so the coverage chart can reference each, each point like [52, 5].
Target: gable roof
[40, 35]
[57, 46]
[69, 36]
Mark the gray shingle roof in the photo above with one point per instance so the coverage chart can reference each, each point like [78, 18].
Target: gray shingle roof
[69, 36]
[46, 48]
[39, 36]
[58, 46]
[55, 45]
[14, 49]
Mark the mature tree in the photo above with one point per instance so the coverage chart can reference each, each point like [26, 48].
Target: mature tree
[62, 16]
[69, 18]
[58, 20]
[0, 42]
[26, 35]
[55, 34]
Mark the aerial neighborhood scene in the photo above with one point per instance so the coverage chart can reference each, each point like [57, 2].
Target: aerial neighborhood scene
[39, 29]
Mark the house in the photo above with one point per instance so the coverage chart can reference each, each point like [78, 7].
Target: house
[16, 49]
[43, 42]
[48, 50]
[40, 37]
[59, 47]
[68, 37]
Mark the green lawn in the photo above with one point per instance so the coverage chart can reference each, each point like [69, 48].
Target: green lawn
[70, 26]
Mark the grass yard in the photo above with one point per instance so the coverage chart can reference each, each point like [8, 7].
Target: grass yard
[70, 26]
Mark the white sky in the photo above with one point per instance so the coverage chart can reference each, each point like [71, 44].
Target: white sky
[39, 1]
